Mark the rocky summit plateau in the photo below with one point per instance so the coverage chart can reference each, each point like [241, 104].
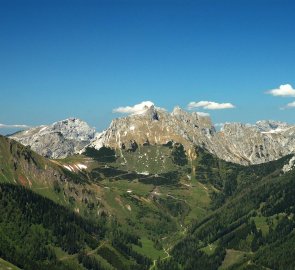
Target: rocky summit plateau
[236, 142]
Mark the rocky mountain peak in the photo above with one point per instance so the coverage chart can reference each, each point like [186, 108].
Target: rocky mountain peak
[73, 128]
[152, 113]
[270, 125]
[178, 111]
[236, 128]
[58, 140]
[157, 126]
[193, 117]
[236, 142]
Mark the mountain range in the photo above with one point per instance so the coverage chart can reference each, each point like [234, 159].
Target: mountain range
[239, 143]
[154, 191]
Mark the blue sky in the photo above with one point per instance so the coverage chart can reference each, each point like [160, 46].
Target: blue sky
[73, 58]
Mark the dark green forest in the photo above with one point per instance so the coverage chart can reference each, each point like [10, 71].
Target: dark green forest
[260, 192]
[32, 227]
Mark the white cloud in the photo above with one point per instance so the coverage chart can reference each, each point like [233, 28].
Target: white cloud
[290, 105]
[13, 126]
[210, 105]
[285, 90]
[203, 114]
[136, 109]
[219, 124]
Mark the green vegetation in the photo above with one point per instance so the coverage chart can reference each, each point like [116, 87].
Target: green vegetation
[29, 223]
[104, 154]
[178, 155]
[149, 249]
[4, 265]
[256, 222]
[148, 208]
[232, 257]
[35, 231]
[153, 159]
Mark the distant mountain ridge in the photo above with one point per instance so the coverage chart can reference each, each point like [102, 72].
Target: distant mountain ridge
[236, 142]
[58, 140]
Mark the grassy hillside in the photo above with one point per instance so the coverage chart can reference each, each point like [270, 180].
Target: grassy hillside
[4, 265]
[154, 208]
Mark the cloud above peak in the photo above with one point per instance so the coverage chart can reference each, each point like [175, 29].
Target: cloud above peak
[135, 109]
[203, 114]
[14, 126]
[290, 105]
[210, 105]
[285, 90]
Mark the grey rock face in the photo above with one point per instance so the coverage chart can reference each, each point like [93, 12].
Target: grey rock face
[254, 144]
[58, 140]
[156, 126]
[268, 125]
[239, 143]
[290, 165]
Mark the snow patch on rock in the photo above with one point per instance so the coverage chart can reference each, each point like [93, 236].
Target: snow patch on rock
[67, 167]
[82, 166]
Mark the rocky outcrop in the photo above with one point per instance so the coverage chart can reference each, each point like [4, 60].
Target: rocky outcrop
[59, 140]
[288, 167]
[156, 126]
[240, 143]
[253, 144]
